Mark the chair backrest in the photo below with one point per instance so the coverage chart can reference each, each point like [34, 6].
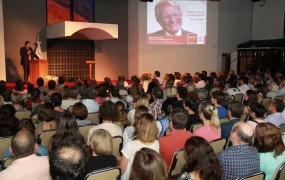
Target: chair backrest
[4, 142]
[218, 144]
[70, 108]
[178, 162]
[255, 176]
[238, 97]
[7, 162]
[279, 172]
[117, 145]
[35, 117]
[84, 130]
[23, 114]
[194, 127]
[279, 98]
[44, 137]
[34, 105]
[94, 117]
[282, 128]
[224, 120]
[266, 101]
[112, 173]
[244, 117]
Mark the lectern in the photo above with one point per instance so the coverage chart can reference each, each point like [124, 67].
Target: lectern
[38, 68]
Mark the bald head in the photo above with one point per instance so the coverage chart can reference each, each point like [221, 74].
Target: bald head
[23, 144]
[243, 133]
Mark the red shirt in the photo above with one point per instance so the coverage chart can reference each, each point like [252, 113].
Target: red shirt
[169, 144]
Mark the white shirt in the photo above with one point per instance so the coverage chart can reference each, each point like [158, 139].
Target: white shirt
[243, 88]
[91, 104]
[179, 33]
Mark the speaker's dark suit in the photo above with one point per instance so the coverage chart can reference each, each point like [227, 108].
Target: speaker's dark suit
[25, 56]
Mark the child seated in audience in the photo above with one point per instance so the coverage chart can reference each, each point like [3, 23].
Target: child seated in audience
[217, 99]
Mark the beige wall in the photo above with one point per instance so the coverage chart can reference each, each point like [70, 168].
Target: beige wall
[2, 47]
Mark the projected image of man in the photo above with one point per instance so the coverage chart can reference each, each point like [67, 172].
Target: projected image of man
[168, 14]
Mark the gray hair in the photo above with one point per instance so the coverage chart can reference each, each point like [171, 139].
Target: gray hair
[157, 7]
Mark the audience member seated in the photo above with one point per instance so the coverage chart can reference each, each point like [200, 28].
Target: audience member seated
[201, 83]
[80, 87]
[148, 164]
[71, 98]
[122, 88]
[46, 118]
[150, 87]
[232, 89]
[114, 95]
[202, 162]
[134, 91]
[242, 82]
[9, 124]
[27, 124]
[101, 145]
[156, 75]
[45, 98]
[146, 133]
[142, 99]
[123, 79]
[128, 134]
[109, 113]
[51, 87]
[7, 96]
[202, 95]
[177, 136]
[40, 83]
[56, 100]
[89, 101]
[181, 95]
[17, 101]
[170, 100]
[155, 106]
[275, 109]
[217, 98]
[257, 115]
[80, 112]
[68, 160]
[191, 106]
[250, 97]
[60, 84]
[19, 87]
[235, 110]
[27, 165]
[211, 125]
[241, 158]
[268, 141]
[122, 122]
[260, 91]
[67, 129]
[272, 90]
[35, 98]
[281, 90]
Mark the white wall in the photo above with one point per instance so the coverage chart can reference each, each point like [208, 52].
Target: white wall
[268, 20]
[2, 47]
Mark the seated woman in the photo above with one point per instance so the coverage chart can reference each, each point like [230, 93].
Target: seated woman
[250, 97]
[80, 112]
[209, 116]
[202, 162]
[217, 98]
[190, 105]
[17, 101]
[101, 145]
[122, 115]
[27, 124]
[148, 164]
[67, 129]
[46, 118]
[35, 98]
[146, 133]
[268, 141]
[9, 124]
[71, 97]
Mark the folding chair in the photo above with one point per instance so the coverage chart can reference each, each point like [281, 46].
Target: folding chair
[23, 114]
[255, 176]
[218, 144]
[4, 142]
[238, 97]
[7, 162]
[224, 120]
[44, 137]
[282, 128]
[244, 117]
[117, 145]
[279, 172]
[94, 117]
[266, 101]
[84, 130]
[177, 163]
[112, 173]
[196, 126]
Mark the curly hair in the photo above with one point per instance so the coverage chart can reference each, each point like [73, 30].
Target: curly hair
[109, 111]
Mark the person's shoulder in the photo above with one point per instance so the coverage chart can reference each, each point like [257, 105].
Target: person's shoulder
[184, 32]
[160, 32]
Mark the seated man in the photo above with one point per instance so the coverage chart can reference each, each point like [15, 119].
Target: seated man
[68, 160]
[155, 106]
[27, 165]
[177, 137]
[240, 159]
[275, 109]
[235, 110]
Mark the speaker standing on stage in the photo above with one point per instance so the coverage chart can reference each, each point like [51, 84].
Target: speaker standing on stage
[27, 54]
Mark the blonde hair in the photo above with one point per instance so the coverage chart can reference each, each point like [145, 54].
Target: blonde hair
[143, 99]
[171, 92]
[210, 113]
[146, 128]
[101, 142]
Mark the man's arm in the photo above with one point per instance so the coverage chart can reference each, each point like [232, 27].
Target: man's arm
[34, 54]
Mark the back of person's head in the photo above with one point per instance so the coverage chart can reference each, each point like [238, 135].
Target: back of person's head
[210, 113]
[61, 80]
[9, 124]
[135, 91]
[114, 90]
[182, 92]
[202, 158]
[72, 92]
[101, 142]
[45, 97]
[56, 99]
[151, 86]
[91, 92]
[258, 109]
[244, 79]
[68, 160]
[210, 80]
[40, 82]
[268, 139]
[244, 133]
[23, 144]
[277, 104]
[30, 87]
[7, 95]
[179, 118]
[171, 92]
[80, 111]
[46, 112]
[16, 98]
[146, 129]
[35, 93]
[120, 84]
[138, 112]
[250, 97]
[169, 83]
[51, 84]
[108, 111]
[219, 96]
[171, 76]
[121, 78]
[233, 81]
[157, 73]
[157, 93]
[27, 124]
[192, 104]
[7, 111]
[236, 109]
[19, 86]
[143, 99]
[177, 75]
[187, 78]
[148, 164]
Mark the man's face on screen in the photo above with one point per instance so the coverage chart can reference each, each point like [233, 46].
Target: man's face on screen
[170, 18]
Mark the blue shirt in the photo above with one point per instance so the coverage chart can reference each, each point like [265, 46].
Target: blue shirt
[238, 161]
[276, 119]
[42, 151]
[222, 112]
[227, 128]
[269, 163]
